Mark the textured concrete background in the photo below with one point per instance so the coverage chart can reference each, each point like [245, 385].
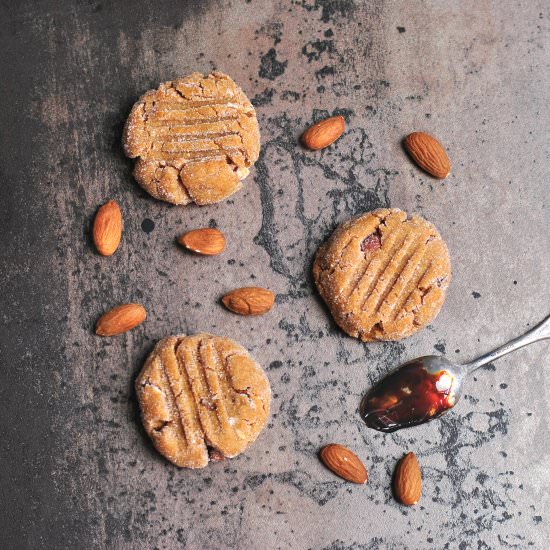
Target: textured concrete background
[77, 469]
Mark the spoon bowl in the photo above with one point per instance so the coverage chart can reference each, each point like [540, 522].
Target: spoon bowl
[416, 392]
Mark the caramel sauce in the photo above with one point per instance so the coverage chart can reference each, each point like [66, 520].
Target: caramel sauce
[409, 396]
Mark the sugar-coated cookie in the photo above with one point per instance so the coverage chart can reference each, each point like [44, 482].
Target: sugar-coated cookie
[194, 138]
[202, 393]
[383, 275]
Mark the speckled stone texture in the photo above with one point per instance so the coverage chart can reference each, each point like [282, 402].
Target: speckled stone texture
[77, 468]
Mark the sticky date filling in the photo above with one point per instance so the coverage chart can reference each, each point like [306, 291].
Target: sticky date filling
[371, 242]
[214, 455]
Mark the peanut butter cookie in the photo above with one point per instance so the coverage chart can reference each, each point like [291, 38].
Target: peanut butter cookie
[195, 139]
[383, 275]
[200, 393]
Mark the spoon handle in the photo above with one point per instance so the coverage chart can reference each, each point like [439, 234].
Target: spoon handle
[540, 332]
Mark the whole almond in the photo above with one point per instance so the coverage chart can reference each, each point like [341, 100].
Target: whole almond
[324, 132]
[120, 319]
[407, 480]
[107, 230]
[207, 241]
[429, 154]
[249, 300]
[344, 463]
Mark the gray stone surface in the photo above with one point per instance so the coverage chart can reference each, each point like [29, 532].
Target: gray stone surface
[77, 468]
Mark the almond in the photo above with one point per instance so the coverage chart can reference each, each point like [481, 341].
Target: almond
[344, 463]
[324, 132]
[249, 300]
[120, 319]
[206, 241]
[429, 154]
[107, 230]
[407, 480]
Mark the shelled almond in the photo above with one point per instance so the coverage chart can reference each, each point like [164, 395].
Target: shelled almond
[407, 480]
[207, 241]
[107, 229]
[429, 154]
[249, 300]
[120, 319]
[323, 133]
[344, 463]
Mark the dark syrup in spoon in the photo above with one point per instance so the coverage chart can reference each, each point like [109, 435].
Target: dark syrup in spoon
[409, 396]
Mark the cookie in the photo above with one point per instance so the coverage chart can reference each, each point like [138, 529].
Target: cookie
[202, 393]
[194, 138]
[383, 275]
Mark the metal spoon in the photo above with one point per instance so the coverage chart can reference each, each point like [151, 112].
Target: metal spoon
[425, 388]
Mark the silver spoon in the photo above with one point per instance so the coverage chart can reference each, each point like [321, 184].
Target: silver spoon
[425, 388]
